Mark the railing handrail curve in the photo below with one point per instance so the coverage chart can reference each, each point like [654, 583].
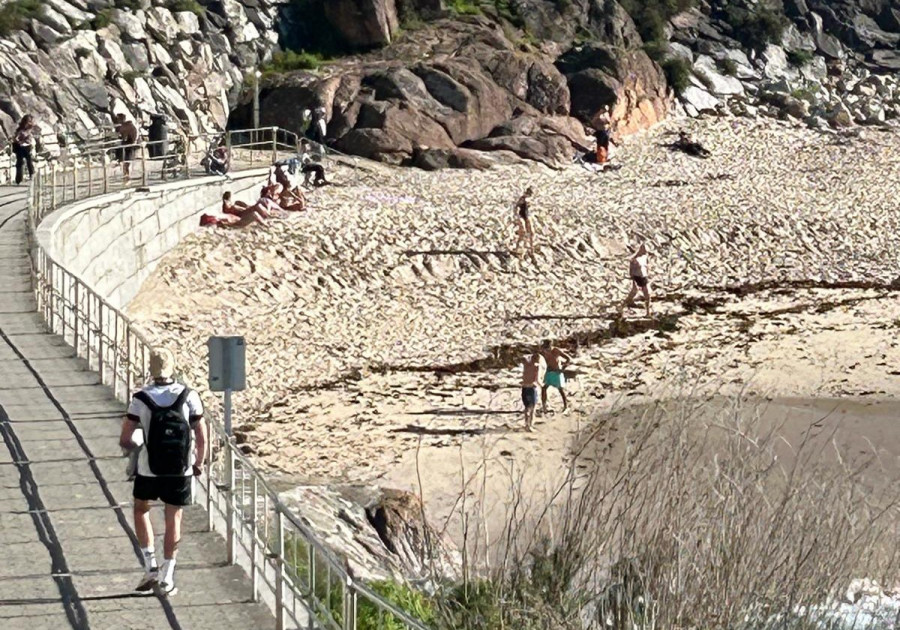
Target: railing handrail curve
[69, 304]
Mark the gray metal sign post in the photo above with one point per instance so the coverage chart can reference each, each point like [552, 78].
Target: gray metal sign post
[227, 373]
[227, 369]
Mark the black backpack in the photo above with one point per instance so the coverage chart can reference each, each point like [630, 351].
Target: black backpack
[168, 439]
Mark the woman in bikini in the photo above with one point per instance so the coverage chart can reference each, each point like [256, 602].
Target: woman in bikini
[523, 222]
[291, 198]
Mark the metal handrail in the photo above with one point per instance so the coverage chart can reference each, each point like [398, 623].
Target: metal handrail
[303, 581]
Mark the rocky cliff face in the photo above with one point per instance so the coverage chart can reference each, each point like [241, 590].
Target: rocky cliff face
[429, 84]
[74, 63]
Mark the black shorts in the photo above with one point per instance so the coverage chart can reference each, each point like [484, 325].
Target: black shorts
[640, 281]
[177, 491]
[529, 397]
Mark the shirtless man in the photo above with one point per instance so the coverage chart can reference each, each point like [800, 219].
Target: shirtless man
[554, 376]
[530, 369]
[638, 269]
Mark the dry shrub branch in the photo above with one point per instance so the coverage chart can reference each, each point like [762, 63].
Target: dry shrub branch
[698, 515]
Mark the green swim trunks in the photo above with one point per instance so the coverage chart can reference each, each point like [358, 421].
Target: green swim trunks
[555, 379]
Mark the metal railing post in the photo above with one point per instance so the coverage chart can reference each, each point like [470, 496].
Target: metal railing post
[75, 313]
[187, 156]
[254, 545]
[105, 172]
[279, 570]
[101, 333]
[143, 164]
[53, 187]
[274, 144]
[229, 511]
[90, 166]
[209, 479]
[349, 605]
[128, 361]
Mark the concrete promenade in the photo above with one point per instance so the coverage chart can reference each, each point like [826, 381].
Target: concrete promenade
[68, 554]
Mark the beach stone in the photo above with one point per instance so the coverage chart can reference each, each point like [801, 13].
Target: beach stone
[699, 100]
[706, 69]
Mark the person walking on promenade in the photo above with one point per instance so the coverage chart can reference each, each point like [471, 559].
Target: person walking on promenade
[638, 269]
[169, 416]
[530, 369]
[23, 147]
[525, 232]
[555, 377]
[128, 134]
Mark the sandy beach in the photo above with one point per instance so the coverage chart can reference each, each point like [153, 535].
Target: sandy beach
[385, 325]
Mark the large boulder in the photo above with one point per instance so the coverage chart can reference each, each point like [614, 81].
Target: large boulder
[629, 82]
[364, 23]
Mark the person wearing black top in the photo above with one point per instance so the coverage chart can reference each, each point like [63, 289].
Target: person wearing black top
[523, 221]
[23, 143]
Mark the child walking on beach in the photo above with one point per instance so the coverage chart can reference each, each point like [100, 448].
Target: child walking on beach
[638, 269]
[530, 369]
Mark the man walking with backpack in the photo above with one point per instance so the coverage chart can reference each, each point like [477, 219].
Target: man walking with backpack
[170, 418]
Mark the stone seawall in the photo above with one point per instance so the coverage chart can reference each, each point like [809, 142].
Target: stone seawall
[114, 242]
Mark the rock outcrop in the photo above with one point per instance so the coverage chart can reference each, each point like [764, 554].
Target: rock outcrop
[377, 533]
[75, 63]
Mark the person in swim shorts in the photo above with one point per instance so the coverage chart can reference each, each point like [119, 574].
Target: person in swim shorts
[523, 222]
[530, 368]
[638, 269]
[555, 377]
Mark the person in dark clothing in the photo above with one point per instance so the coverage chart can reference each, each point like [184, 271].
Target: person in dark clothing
[23, 146]
[603, 136]
[128, 133]
[524, 232]
[311, 169]
[688, 145]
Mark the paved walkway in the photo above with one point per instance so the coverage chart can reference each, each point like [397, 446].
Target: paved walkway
[68, 553]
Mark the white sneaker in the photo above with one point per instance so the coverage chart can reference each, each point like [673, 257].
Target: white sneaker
[148, 582]
[168, 589]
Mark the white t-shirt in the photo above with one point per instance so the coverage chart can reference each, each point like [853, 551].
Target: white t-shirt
[164, 396]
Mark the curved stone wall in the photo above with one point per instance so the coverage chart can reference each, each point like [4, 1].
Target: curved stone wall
[114, 242]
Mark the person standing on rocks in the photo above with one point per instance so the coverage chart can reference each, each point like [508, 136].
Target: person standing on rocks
[23, 147]
[603, 124]
[638, 270]
[128, 134]
[170, 417]
[525, 232]
[555, 377]
[530, 370]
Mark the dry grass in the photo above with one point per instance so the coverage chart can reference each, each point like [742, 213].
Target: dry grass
[702, 516]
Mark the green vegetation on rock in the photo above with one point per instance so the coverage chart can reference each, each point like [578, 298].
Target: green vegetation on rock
[290, 61]
[650, 16]
[191, 6]
[15, 14]
[678, 73]
[799, 58]
[758, 27]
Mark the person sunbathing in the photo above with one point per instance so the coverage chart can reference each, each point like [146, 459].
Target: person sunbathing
[291, 197]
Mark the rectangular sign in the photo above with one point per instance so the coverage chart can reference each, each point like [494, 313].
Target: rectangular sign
[227, 364]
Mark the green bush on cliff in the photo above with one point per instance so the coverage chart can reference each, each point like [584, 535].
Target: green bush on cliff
[290, 61]
[757, 28]
[650, 16]
[14, 15]
[191, 6]
[678, 73]
[464, 7]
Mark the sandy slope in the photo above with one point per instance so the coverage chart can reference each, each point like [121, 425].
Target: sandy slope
[387, 321]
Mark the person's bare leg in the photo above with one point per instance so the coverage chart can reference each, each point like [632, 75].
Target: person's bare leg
[143, 529]
[173, 531]
[544, 399]
[629, 301]
[646, 291]
[529, 233]
[562, 393]
[170, 549]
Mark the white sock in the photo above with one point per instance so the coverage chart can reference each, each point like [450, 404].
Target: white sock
[167, 575]
[149, 559]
